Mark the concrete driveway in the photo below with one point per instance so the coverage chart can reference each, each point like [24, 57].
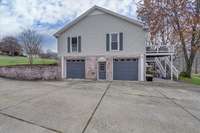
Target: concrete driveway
[98, 107]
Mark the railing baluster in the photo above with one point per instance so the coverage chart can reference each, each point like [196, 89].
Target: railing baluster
[159, 49]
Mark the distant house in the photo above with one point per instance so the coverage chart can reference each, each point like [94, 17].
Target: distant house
[103, 45]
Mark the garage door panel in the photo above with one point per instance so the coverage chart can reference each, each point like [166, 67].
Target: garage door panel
[125, 70]
[76, 69]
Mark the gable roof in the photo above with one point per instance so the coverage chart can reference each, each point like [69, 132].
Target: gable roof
[135, 22]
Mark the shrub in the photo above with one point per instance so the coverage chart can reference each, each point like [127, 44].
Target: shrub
[150, 70]
[183, 74]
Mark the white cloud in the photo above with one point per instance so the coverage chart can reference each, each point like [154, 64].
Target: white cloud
[15, 15]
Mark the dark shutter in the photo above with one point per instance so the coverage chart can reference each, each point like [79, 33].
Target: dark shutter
[79, 43]
[120, 41]
[107, 42]
[68, 44]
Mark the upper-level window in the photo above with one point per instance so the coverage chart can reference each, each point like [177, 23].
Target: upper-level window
[114, 41]
[74, 44]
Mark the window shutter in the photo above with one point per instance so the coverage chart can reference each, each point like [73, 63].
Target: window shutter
[120, 41]
[79, 43]
[107, 42]
[68, 44]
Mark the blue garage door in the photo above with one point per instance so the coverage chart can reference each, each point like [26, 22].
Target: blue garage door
[76, 69]
[125, 69]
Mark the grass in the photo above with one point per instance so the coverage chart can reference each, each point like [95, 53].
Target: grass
[18, 60]
[198, 76]
[194, 80]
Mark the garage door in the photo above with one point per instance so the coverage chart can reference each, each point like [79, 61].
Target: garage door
[76, 69]
[125, 69]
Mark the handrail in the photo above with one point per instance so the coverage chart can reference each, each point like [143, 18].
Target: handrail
[162, 70]
[175, 70]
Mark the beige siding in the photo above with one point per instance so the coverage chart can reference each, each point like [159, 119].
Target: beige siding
[93, 30]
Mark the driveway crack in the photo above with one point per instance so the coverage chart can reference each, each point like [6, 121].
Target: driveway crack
[179, 105]
[95, 109]
[29, 122]
[35, 97]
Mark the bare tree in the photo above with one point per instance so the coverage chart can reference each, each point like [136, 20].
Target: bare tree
[10, 45]
[179, 20]
[31, 41]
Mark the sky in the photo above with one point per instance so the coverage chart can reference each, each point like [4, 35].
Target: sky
[48, 16]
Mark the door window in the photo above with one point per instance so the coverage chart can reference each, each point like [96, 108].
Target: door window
[102, 67]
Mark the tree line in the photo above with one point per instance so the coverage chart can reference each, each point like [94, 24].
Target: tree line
[27, 43]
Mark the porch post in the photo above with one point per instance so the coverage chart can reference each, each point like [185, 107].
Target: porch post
[142, 66]
[171, 67]
[62, 67]
[165, 68]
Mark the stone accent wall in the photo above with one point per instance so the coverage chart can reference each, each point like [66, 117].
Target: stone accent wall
[91, 68]
[36, 72]
[109, 68]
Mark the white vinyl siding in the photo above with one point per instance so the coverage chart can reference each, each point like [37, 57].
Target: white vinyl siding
[93, 30]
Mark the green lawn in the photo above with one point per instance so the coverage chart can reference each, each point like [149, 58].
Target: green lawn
[18, 60]
[194, 80]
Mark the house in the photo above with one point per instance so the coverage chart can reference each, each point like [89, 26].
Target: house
[103, 45]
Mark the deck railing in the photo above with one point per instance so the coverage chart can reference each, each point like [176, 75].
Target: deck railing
[175, 70]
[159, 49]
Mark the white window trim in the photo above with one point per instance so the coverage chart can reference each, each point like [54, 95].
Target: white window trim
[71, 44]
[118, 45]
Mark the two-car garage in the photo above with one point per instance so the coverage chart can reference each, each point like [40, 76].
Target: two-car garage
[122, 69]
